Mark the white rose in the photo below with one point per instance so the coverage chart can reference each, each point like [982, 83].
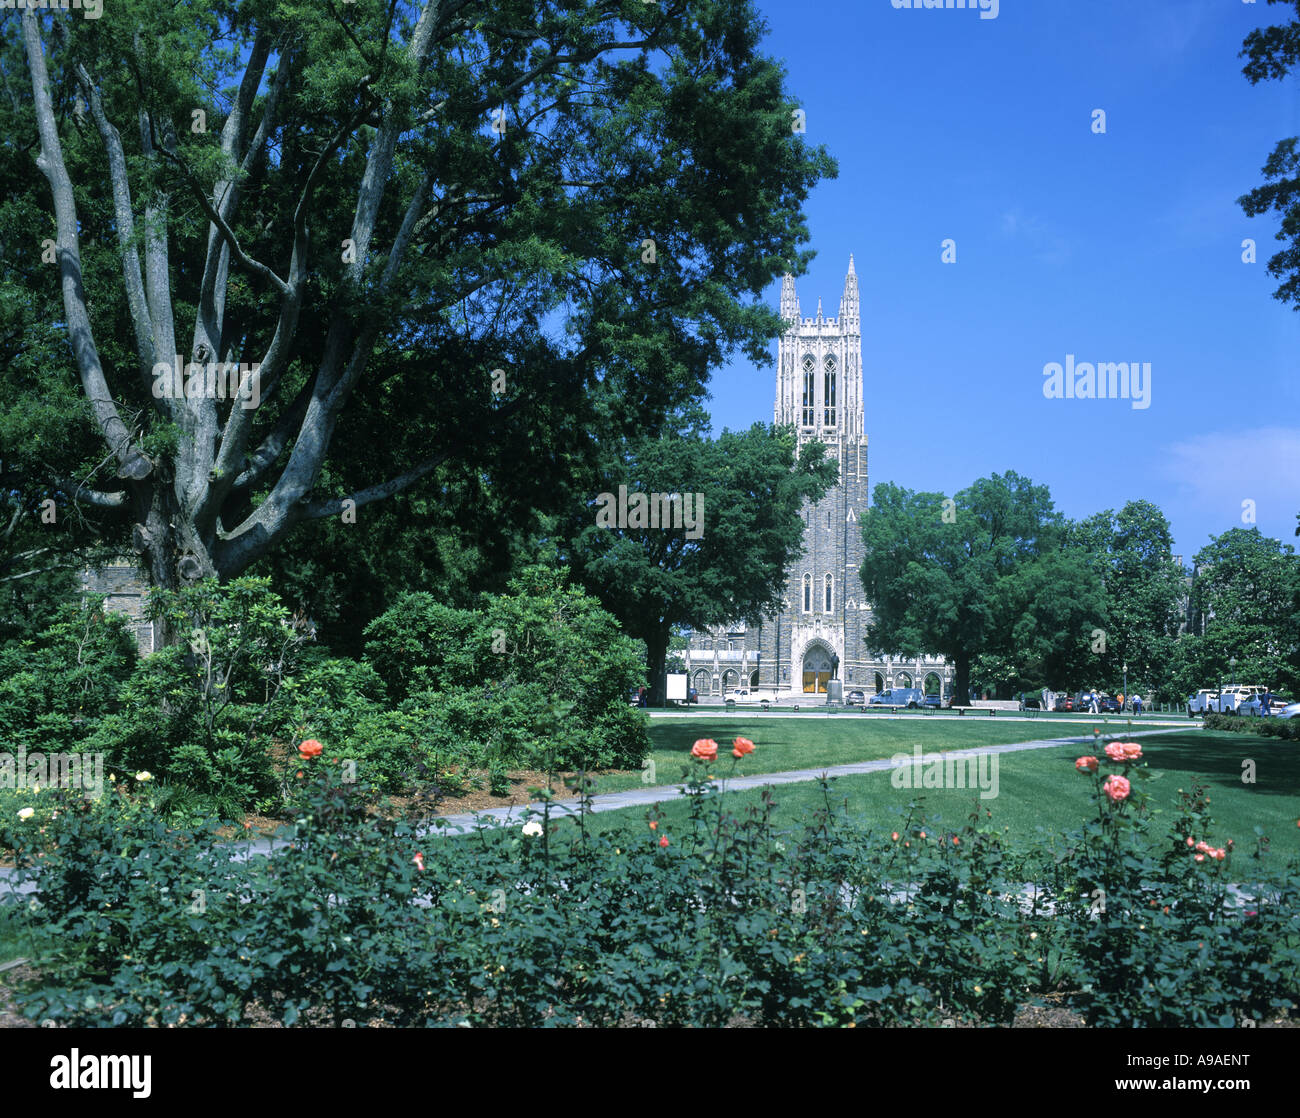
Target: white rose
[26, 812]
[144, 776]
[533, 829]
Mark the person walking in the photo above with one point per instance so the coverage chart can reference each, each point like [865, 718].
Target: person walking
[1266, 704]
[1137, 704]
[1094, 707]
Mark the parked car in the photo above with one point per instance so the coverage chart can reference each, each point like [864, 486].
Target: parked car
[740, 692]
[1254, 706]
[1201, 703]
[1291, 710]
[909, 697]
[857, 698]
[1108, 704]
[933, 701]
[692, 696]
[1064, 703]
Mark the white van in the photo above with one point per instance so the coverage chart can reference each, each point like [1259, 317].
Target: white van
[1231, 698]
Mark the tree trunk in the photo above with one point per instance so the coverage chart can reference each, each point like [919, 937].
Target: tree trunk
[961, 685]
[171, 550]
[656, 647]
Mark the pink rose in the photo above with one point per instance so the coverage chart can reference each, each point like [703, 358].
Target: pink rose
[706, 749]
[1087, 764]
[1117, 788]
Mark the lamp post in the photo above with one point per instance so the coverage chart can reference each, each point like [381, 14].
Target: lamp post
[1125, 690]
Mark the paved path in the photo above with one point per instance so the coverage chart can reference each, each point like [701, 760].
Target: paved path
[1110, 720]
[643, 797]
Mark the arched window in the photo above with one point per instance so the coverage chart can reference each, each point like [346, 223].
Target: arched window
[827, 593]
[807, 593]
[809, 408]
[828, 411]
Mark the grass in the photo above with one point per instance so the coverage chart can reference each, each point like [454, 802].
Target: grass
[1039, 792]
[800, 743]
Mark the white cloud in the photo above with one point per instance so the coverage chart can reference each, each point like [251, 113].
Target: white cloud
[1219, 470]
[1043, 239]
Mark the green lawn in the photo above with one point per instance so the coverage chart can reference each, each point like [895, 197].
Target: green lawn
[799, 743]
[1040, 788]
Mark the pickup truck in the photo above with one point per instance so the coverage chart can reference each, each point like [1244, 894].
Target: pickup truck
[1201, 703]
[1231, 698]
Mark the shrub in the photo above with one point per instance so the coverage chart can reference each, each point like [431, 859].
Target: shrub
[538, 677]
[55, 690]
[718, 920]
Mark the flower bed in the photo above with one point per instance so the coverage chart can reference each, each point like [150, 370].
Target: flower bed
[718, 920]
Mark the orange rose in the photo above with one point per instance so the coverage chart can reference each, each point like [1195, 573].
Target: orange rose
[1117, 788]
[663, 840]
[706, 749]
[310, 748]
[740, 747]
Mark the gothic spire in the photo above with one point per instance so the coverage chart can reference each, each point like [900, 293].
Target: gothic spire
[789, 300]
[849, 300]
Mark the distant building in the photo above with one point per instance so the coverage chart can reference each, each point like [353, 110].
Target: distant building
[126, 586]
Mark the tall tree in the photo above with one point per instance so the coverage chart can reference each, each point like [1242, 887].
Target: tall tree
[454, 238]
[1132, 552]
[1272, 53]
[732, 565]
[953, 576]
[1248, 586]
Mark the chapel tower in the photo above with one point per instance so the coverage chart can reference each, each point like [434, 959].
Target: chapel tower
[819, 394]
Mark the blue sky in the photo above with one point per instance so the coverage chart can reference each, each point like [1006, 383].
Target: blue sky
[1117, 247]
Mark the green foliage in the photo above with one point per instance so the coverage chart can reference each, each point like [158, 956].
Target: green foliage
[1272, 53]
[1288, 729]
[988, 572]
[58, 688]
[718, 920]
[488, 682]
[732, 565]
[204, 714]
[1247, 586]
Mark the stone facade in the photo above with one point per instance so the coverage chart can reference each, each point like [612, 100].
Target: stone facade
[126, 587]
[819, 392]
